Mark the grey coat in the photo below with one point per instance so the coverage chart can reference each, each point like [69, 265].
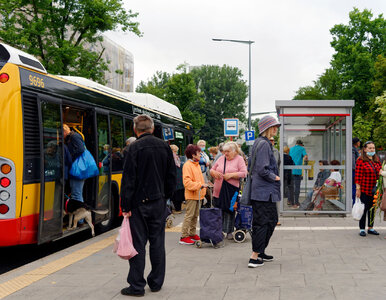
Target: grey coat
[264, 186]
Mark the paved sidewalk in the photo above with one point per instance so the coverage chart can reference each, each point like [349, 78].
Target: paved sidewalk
[315, 258]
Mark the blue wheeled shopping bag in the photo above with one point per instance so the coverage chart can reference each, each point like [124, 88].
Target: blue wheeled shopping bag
[211, 225]
[84, 166]
[244, 217]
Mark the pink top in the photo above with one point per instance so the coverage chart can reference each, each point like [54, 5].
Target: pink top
[236, 165]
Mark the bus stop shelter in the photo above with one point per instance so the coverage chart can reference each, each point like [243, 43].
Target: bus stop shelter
[324, 129]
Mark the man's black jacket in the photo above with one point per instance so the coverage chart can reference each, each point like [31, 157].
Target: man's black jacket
[149, 172]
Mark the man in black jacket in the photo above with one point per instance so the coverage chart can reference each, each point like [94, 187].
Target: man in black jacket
[148, 179]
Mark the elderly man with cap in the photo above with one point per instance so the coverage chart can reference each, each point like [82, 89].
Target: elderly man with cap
[265, 191]
[297, 153]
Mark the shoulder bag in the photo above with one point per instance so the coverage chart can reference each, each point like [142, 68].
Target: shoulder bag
[228, 194]
[246, 195]
[84, 166]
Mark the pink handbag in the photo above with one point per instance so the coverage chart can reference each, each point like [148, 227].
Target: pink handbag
[124, 242]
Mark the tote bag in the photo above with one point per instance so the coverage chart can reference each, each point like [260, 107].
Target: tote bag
[84, 166]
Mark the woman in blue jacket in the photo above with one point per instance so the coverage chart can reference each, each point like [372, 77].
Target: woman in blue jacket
[265, 191]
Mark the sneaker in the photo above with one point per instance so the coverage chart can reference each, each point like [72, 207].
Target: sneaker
[362, 233]
[128, 291]
[372, 231]
[186, 241]
[229, 236]
[253, 263]
[195, 237]
[266, 257]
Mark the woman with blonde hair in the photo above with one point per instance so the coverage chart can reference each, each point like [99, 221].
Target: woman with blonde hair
[230, 168]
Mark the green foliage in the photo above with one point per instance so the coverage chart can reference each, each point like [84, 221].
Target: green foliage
[205, 96]
[156, 85]
[181, 91]
[224, 93]
[357, 72]
[59, 32]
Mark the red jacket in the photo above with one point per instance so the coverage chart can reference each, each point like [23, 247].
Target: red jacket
[366, 175]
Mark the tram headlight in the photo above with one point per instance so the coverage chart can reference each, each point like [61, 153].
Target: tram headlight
[5, 168]
[5, 182]
[4, 195]
[3, 209]
[4, 77]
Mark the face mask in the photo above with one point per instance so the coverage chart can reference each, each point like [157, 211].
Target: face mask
[105, 152]
[202, 148]
[370, 153]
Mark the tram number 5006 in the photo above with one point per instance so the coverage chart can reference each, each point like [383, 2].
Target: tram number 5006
[36, 81]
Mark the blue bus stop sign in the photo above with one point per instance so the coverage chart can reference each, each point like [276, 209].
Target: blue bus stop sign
[231, 127]
[250, 137]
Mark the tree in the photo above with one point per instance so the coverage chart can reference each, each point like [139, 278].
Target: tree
[224, 93]
[156, 85]
[181, 91]
[357, 46]
[57, 31]
[357, 71]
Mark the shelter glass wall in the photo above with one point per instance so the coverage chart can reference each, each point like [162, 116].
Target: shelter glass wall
[315, 147]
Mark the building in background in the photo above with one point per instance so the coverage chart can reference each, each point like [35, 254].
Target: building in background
[119, 60]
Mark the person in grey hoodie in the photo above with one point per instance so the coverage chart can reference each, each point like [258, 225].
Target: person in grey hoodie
[265, 191]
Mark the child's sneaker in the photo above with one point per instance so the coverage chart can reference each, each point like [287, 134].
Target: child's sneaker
[195, 237]
[186, 241]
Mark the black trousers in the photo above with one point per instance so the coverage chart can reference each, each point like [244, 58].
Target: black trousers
[368, 202]
[177, 199]
[263, 224]
[147, 223]
[297, 179]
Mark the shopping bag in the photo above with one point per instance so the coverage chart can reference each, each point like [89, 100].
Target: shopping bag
[211, 225]
[358, 209]
[84, 166]
[123, 245]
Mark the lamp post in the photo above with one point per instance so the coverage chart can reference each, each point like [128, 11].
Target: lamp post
[249, 89]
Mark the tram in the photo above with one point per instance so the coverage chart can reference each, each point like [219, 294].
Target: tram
[34, 105]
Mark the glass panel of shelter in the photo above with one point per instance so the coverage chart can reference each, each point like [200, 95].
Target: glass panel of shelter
[324, 140]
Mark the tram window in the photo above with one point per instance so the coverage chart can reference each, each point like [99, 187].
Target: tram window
[117, 143]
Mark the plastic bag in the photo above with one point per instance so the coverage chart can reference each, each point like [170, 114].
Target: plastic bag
[358, 209]
[123, 245]
[84, 166]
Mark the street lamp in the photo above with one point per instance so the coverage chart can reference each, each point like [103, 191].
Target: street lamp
[249, 93]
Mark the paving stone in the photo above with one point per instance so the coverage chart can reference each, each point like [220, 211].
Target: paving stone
[284, 280]
[320, 293]
[361, 292]
[323, 280]
[248, 293]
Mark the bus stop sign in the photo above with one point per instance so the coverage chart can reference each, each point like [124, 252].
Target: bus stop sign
[231, 127]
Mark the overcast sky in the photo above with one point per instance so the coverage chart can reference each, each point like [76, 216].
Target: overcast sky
[292, 39]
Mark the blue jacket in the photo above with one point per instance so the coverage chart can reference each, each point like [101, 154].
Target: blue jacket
[264, 186]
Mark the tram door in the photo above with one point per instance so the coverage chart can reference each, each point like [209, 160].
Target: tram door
[51, 170]
[104, 164]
